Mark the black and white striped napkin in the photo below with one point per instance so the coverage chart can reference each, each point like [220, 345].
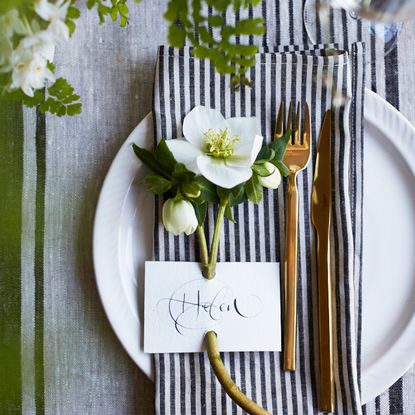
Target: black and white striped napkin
[185, 383]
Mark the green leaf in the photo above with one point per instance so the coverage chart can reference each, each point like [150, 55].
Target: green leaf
[261, 170]
[250, 27]
[123, 8]
[220, 5]
[228, 213]
[30, 102]
[207, 190]
[223, 194]
[243, 50]
[205, 36]
[71, 26]
[200, 210]
[182, 174]
[90, 4]
[165, 157]
[157, 184]
[148, 159]
[73, 13]
[51, 66]
[61, 93]
[237, 195]
[191, 190]
[265, 154]
[61, 110]
[123, 21]
[172, 12]
[188, 24]
[284, 170]
[114, 14]
[254, 189]
[279, 146]
[216, 21]
[176, 36]
[74, 109]
[71, 98]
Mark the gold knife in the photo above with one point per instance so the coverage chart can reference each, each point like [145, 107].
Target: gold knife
[321, 218]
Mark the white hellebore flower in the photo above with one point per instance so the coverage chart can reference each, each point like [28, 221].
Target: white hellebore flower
[11, 23]
[30, 71]
[179, 216]
[273, 180]
[222, 150]
[55, 13]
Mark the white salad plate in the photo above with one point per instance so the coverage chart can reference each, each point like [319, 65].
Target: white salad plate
[123, 233]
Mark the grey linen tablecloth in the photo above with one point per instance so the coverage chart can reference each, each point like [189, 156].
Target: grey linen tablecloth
[58, 352]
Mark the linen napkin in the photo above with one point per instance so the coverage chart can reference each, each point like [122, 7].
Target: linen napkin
[185, 383]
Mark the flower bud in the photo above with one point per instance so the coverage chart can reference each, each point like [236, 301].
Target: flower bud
[179, 216]
[273, 180]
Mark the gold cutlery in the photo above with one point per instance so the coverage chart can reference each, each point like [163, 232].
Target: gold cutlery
[321, 218]
[297, 157]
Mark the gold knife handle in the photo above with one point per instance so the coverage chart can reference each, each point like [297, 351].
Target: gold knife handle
[290, 276]
[325, 322]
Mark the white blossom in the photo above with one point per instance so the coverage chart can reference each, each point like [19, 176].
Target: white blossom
[59, 30]
[10, 23]
[30, 71]
[49, 11]
[273, 180]
[222, 150]
[55, 14]
[179, 216]
[40, 43]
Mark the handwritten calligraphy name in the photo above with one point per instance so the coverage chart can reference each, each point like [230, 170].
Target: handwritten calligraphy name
[193, 307]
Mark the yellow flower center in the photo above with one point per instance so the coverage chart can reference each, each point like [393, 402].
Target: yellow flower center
[221, 143]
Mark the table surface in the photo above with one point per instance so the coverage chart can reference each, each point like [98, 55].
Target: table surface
[112, 69]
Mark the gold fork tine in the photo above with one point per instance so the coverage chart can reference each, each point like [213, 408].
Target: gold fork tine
[280, 127]
[296, 132]
[289, 120]
[307, 127]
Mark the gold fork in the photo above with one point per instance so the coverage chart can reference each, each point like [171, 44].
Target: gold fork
[297, 157]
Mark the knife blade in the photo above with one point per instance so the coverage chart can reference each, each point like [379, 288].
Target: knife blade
[320, 217]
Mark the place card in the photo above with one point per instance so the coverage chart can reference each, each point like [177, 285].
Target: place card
[241, 304]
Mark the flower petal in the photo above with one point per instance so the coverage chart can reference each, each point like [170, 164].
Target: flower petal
[248, 156]
[220, 173]
[185, 153]
[247, 129]
[198, 121]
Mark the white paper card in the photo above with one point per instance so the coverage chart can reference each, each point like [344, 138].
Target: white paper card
[241, 304]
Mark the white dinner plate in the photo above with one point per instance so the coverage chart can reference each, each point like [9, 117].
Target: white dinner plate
[123, 241]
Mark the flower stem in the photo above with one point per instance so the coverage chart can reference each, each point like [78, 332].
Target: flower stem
[204, 253]
[209, 270]
[211, 267]
[226, 381]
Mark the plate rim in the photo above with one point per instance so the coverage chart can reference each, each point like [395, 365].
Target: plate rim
[124, 324]
[404, 343]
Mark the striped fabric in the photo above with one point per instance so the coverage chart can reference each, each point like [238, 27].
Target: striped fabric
[185, 383]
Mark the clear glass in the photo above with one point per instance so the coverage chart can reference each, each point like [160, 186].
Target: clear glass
[386, 11]
[382, 31]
